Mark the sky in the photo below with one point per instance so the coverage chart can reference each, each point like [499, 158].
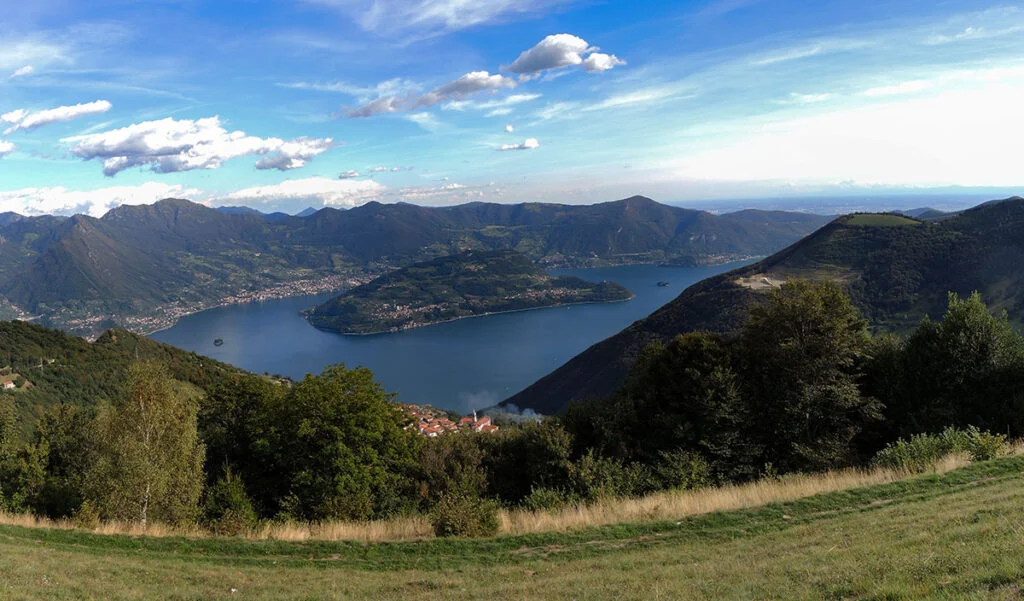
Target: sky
[284, 104]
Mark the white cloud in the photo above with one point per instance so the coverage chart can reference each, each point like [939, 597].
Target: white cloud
[553, 52]
[24, 119]
[787, 55]
[331, 192]
[350, 174]
[467, 85]
[6, 148]
[391, 87]
[380, 106]
[647, 96]
[170, 145]
[22, 72]
[528, 144]
[598, 62]
[295, 154]
[17, 53]
[454, 91]
[906, 87]
[509, 128]
[971, 33]
[797, 98]
[423, 18]
[496, 104]
[61, 201]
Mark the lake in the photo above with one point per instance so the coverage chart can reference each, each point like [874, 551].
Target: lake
[460, 365]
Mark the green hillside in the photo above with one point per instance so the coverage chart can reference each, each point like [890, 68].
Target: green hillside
[954, 536]
[463, 285]
[897, 270]
[140, 267]
[67, 369]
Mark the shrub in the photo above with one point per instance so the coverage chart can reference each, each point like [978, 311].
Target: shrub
[228, 510]
[462, 514]
[541, 499]
[593, 477]
[682, 470]
[923, 450]
[87, 516]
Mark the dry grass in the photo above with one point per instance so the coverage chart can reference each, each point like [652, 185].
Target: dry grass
[667, 505]
[673, 505]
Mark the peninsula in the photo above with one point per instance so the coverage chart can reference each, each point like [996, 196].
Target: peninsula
[464, 285]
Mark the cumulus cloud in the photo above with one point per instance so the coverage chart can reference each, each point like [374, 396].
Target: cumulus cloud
[350, 174]
[467, 85]
[171, 145]
[24, 119]
[528, 144]
[562, 50]
[6, 148]
[599, 62]
[22, 72]
[509, 128]
[61, 201]
[295, 154]
[331, 192]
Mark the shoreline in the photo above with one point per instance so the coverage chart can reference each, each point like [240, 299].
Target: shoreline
[170, 322]
[454, 319]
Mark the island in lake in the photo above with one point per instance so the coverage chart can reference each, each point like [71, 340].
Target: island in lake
[464, 285]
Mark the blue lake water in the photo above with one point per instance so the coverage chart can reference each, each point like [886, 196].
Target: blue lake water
[460, 365]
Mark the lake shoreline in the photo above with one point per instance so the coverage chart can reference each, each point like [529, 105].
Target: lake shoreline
[454, 319]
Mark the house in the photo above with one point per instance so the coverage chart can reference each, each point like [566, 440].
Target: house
[9, 385]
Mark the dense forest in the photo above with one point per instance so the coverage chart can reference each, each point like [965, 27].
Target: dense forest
[803, 385]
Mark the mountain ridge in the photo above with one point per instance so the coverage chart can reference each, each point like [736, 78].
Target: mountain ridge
[896, 269]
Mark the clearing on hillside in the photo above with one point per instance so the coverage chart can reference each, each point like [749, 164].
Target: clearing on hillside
[880, 219]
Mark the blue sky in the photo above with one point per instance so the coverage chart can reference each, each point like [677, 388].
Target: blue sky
[282, 104]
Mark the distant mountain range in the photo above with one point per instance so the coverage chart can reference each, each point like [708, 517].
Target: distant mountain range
[140, 267]
[897, 269]
[463, 285]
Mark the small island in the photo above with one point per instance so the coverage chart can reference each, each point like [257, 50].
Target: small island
[464, 285]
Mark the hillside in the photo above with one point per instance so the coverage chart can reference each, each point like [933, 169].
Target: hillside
[464, 285]
[67, 369]
[141, 267]
[896, 269]
[935, 536]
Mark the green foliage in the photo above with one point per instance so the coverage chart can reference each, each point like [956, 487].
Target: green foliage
[974, 362]
[545, 499]
[802, 351]
[682, 470]
[464, 514]
[546, 448]
[148, 462]
[921, 451]
[342, 449]
[469, 283]
[227, 509]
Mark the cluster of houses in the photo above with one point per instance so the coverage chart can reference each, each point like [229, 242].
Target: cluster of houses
[10, 381]
[426, 422]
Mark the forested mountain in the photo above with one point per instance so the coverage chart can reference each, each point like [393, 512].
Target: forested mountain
[463, 285]
[896, 269]
[142, 266]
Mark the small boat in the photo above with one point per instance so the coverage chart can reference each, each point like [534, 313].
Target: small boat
[218, 341]
[662, 284]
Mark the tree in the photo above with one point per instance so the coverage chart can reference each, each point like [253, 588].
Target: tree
[343, 450]
[802, 352]
[149, 460]
[974, 362]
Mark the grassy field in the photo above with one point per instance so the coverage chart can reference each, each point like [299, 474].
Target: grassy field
[958, 535]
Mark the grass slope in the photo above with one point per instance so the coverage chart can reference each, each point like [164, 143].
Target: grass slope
[463, 285]
[955, 536]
